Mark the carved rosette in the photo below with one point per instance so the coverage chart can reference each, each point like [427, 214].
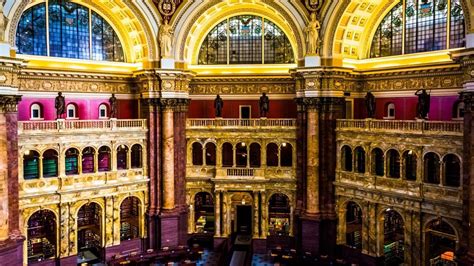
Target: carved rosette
[9, 103]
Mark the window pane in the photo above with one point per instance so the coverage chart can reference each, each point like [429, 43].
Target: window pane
[31, 31]
[457, 34]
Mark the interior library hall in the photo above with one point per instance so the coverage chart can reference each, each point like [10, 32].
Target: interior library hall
[236, 132]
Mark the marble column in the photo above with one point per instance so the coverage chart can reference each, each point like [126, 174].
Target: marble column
[264, 206]
[10, 236]
[168, 159]
[255, 214]
[191, 224]
[217, 214]
[312, 155]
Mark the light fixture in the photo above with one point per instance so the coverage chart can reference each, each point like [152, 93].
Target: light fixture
[243, 144]
[243, 201]
[283, 144]
[410, 152]
[27, 152]
[122, 146]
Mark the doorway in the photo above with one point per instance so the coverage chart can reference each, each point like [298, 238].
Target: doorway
[244, 219]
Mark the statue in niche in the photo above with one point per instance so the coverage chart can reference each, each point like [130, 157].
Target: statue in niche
[60, 104]
[113, 106]
[3, 21]
[370, 104]
[312, 36]
[166, 40]
[218, 104]
[423, 106]
[264, 105]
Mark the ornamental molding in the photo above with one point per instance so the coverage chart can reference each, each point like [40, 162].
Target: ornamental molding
[242, 85]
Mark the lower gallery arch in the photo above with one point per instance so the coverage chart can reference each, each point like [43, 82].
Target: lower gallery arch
[441, 242]
[129, 218]
[279, 215]
[353, 225]
[392, 237]
[89, 233]
[204, 213]
[42, 236]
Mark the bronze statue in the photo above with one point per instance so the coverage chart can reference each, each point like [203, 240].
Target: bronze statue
[113, 106]
[218, 104]
[423, 106]
[60, 104]
[264, 105]
[370, 104]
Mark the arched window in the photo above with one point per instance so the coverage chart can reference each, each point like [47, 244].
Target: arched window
[241, 154]
[197, 153]
[122, 153]
[50, 163]
[210, 153]
[409, 164]
[41, 236]
[88, 155]
[31, 165]
[346, 156]
[71, 163]
[353, 225]
[73, 31]
[452, 170]
[393, 163]
[103, 111]
[36, 111]
[272, 154]
[227, 155]
[246, 39]
[390, 111]
[440, 241]
[286, 154]
[129, 218]
[104, 159]
[137, 156]
[359, 160]
[71, 111]
[431, 164]
[426, 28]
[377, 162]
[458, 110]
[255, 155]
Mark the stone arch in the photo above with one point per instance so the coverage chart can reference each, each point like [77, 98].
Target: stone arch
[194, 22]
[125, 18]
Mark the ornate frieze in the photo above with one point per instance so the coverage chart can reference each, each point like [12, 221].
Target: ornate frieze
[9, 103]
[229, 86]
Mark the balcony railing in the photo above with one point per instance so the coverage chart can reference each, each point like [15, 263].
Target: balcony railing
[79, 125]
[412, 126]
[236, 123]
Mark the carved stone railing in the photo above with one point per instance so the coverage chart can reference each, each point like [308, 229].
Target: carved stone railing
[400, 186]
[62, 125]
[206, 172]
[239, 123]
[237, 172]
[411, 126]
[78, 182]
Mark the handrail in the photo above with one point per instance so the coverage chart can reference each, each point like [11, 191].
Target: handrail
[211, 122]
[61, 125]
[415, 126]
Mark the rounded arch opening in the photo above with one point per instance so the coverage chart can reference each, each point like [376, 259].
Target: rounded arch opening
[353, 225]
[279, 212]
[89, 229]
[130, 218]
[393, 237]
[31, 163]
[42, 236]
[204, 213]
[440, 242]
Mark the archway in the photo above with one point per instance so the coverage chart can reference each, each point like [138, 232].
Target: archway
[346, 158]
[104, 159]
[197, 153]
[41, 238]
[31, 165]
[88, 155]
[204, 213]
[353, 225]
[50, 163]
[440, 243]
[129, 219]
[210, 153]
[89, 233]
[279, 215]
[393, 238]
[409, 165]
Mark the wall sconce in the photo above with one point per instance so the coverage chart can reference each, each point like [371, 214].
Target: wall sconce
[243, 201]
[283, 144]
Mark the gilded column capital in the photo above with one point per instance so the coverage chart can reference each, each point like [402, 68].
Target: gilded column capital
[467, 97]
[150, 101]
[176, 104]
[9, 103]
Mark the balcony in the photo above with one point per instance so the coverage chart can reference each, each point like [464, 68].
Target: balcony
[401, 126]
[234, 173]
[239, 123]
[48, 127]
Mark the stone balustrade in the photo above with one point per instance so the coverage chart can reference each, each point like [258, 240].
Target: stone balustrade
[62, 125]
[411, 126]
[207, 172]
[239, 123]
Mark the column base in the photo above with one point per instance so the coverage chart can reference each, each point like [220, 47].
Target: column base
[125, 246]
[310, 234]
[71, 260]
[169, 229]
[11, 251]
[354, 256]
[220, 243]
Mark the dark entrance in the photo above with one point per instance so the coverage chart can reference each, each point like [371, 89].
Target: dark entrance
[244, 219]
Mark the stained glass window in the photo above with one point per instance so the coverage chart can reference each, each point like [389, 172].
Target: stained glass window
[426, 28]
[71, 29]
[245, 39]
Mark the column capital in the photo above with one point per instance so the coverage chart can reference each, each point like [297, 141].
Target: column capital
[9, 103]
[467, 97]
[176, 104]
